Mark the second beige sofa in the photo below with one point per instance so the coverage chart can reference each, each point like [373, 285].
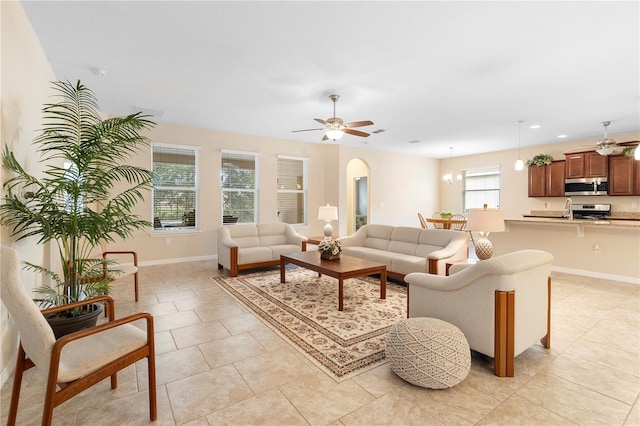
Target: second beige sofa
[405, 250]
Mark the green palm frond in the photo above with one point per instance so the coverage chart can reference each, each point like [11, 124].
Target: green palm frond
[85, 160]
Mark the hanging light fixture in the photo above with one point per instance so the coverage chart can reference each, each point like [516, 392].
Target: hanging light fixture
[334, 134]
[519, 163]
[605, 145]
[449, 176]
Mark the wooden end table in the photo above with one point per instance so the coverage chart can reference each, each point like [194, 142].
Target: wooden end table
[345, 268]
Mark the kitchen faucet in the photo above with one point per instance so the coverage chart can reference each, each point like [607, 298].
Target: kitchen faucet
[568, 208]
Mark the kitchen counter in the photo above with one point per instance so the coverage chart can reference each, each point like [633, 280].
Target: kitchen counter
[580, 224]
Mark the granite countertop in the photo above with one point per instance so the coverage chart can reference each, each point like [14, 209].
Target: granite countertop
[621, 219]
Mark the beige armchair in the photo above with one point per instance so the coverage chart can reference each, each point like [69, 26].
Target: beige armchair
[77, 360]
[502, 305]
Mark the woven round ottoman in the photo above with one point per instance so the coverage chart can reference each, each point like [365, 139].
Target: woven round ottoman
[428, 352]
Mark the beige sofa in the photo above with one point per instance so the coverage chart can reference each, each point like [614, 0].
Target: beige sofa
[502, 305]
[405, 250]
[248, 246]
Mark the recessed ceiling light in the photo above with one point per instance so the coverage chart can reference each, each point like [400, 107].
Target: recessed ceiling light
[414, 141]
[562, 136]
[379, 131]
[535, 126]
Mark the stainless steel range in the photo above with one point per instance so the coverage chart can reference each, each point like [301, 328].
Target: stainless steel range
[591, 211]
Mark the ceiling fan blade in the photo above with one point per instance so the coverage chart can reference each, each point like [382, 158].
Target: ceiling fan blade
[304, 130]
[356, 132]
[359, 124]
[321, 121]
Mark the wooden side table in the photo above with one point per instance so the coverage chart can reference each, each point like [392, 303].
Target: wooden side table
[468, 261]
[316, 240]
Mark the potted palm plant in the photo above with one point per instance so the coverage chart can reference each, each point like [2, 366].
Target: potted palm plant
[86, 193]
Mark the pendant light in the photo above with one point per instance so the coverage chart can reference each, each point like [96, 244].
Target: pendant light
[449, 176]
[519, 163]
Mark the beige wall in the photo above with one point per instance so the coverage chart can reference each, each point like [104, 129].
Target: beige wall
[25, 77]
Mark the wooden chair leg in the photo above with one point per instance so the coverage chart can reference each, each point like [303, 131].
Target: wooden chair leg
[135, 285]
[17, 385]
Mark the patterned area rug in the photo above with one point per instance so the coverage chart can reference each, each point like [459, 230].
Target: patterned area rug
[304, 310]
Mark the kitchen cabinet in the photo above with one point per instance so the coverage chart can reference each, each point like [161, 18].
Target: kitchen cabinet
[624, 175]
[547, 180]
[586, 164]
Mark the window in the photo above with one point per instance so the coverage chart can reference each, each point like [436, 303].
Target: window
[175, 187]
[481, 186]
[292, 189]
[239, 182]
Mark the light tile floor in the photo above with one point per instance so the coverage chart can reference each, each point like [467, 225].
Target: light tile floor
[218, 364]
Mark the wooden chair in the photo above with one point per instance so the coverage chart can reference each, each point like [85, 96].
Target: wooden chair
[436, 215]
[116, 272]
[77, 360]
[423, 223]
[458, 226]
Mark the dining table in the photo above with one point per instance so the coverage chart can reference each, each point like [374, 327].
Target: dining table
[446, 222]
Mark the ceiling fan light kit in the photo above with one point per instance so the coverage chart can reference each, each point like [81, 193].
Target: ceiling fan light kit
[336, 127]
[605, 145]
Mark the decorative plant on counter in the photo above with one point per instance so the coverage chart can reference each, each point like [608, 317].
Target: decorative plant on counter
[540, 160]
[73, 205]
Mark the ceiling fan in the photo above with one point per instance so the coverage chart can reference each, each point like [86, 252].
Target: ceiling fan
[335, 127]
[605, 145]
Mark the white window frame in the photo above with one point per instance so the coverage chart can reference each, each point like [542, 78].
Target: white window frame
[196, 189]
[492, 202]
[255, 190]
[303, 190]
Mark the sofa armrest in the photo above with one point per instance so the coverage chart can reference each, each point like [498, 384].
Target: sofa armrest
[293, 237]
[224, 238]
[354, 240]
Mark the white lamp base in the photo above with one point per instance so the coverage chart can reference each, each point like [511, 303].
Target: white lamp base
[484, 249]
[328, 231]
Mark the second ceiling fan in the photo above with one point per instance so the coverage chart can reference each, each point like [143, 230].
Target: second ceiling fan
[335, 127]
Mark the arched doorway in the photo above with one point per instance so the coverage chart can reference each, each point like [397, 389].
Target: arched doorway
[358, 190]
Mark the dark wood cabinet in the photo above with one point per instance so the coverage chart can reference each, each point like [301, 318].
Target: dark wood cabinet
[624, 175]
[548, 180]
[586, 164]
[555, 179]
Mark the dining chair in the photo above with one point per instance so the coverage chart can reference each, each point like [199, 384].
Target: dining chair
[458, 226]
[437, 215]
[423, 223]
[78, 360]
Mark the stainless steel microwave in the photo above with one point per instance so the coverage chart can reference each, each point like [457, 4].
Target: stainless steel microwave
[586, 186]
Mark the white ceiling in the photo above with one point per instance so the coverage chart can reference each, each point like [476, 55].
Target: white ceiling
[446, 74]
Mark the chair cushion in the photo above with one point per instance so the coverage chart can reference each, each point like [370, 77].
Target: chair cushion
[428, 352]
[84, 356]
[254, 255]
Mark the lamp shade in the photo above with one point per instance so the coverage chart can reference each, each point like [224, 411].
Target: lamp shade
[485, 220]
[328, 213]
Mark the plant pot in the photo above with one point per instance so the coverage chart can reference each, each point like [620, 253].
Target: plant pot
[329, 256]
[62, 325]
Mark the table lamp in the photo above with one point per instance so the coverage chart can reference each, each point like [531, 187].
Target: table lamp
[485, 220]
[328, 213]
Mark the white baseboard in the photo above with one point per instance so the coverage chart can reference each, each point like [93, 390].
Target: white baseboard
[612, 277]
[178, 260]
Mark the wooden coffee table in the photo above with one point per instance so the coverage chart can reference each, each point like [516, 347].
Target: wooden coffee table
[345, 268]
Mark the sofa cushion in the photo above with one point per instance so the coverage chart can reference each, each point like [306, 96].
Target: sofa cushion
[407, 264]
[254, 255]
[378, 236]
[277, 250]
